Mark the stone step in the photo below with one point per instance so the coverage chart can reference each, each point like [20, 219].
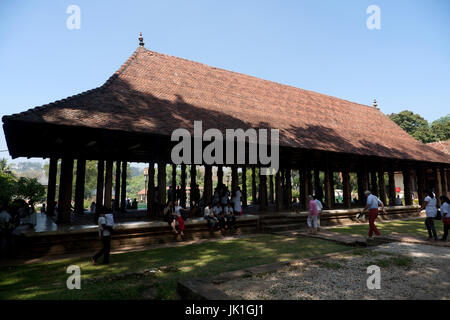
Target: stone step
[282, 227]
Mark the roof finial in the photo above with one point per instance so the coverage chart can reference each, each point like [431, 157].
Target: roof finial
[375, 104]
[141, 40]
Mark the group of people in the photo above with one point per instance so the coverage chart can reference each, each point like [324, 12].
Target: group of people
[18, 213]
[431, 210]
[432, 213]
[225, 207]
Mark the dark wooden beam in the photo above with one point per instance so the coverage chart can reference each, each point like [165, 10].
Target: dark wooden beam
[244, 186]
[123, 193]
[151, 190]
[183, 186]
[65, 191]
[381, 185]
[79, 186]
[117, 188]
[392, 192]
[108, 184]
[347, 197]
[407, 186]
[51, 189]
[100, 183]
[207, 186]
[161, 186]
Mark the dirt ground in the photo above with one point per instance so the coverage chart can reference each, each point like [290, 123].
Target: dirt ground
[408, 271]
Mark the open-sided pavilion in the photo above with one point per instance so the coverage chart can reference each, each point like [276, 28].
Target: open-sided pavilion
[131, 117]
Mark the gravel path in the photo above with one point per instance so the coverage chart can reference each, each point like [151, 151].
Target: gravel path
[408, 271]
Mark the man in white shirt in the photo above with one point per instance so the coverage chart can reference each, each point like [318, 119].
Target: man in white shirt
[372, 205]
[105, 227]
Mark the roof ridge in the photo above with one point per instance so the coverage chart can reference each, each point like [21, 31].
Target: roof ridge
[123, 67]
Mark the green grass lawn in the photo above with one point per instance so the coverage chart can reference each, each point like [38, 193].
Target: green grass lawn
[412, 227]
[48, 280]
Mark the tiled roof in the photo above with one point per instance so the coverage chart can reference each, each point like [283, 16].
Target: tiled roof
[157, 93]
[443, 146]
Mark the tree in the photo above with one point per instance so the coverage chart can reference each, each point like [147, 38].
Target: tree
[8, 187]
[441, 128]
[415, 125]
[30, 188]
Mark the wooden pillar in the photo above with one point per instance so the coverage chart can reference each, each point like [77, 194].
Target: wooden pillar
[303, 187]
[444, 182]
[317, 186]
[123, 193]
[244, 186]
[271, 190]
[262, 192]
[183, 186]
[207, 185]
[51, 189]
[381, 186]
[288, 188]
[108, 184]
[65, 190]
[373, 183]
[420, 184]
[278, 192]
[347, 195]
[253, 185]
[79, 186]
[193, 183]
[328, 188]
[407, 186]
[283, 187]
[234, 179]
[161, 186]
[117, 188]
[309, 180]
[360, 187]
[219, 175]
[151, 190]
[100, 183]
[392, 192]
[174, 181]
[438, 185]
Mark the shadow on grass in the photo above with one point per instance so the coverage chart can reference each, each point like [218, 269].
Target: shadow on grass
[48, 280]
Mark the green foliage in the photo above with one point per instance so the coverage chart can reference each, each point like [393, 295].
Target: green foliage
[441, 128]
[8, 187]
[420, 129]
[414, 124]
[30, 188]
[11, 187]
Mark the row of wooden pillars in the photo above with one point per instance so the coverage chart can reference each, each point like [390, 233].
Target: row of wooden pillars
[275, 189]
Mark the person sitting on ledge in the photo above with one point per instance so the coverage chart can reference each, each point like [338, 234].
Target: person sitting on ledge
[209, 217]
[230, 216]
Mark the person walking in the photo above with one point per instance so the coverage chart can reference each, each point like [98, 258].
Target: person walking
[313, 212]
[372, 205]
[319, 210]
[430, 206]
[445, 212]
[105, 226]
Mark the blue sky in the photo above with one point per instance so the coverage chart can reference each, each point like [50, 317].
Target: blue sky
[322, 46]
